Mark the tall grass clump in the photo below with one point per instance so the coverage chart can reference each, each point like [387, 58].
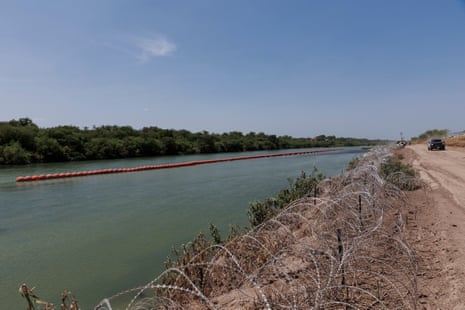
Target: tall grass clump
[304, 185]
[456, 141]
[341, 249]
[399, 174]
[353, 163]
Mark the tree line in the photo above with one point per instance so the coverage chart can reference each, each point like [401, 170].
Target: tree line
[23, 142]
[439, 133]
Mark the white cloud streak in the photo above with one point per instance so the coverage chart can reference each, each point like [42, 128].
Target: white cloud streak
[155, 47]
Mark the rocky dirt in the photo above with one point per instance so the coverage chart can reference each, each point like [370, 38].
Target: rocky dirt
[436, 225]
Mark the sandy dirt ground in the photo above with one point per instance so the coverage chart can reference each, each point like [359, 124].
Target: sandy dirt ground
[436, 225]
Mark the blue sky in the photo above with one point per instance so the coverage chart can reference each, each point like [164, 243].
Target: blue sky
[301, 68]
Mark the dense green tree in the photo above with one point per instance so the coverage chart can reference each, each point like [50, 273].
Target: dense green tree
[49, 150]
[170, 146]
[14, 153]
[233, 141]
[151, 146]
[72, 138]
[250, 142]
[431, 133]
[22, 141]
[133, 146]
[22, 131]
[184, 146]
[105, 148]
[206, 142]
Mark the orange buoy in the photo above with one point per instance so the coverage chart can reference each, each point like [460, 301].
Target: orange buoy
[162, 166]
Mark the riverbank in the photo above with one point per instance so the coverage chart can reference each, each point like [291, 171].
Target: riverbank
[134, 218]
[406, 251]
[345, 247]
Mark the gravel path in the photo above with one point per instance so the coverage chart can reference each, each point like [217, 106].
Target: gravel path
[436, 225]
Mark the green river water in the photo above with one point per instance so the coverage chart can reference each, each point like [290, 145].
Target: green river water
[99, 235]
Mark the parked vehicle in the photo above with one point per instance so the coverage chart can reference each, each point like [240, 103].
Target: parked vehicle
[436, 144]
[401, 143]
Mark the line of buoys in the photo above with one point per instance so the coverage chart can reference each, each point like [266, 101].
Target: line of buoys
[161, 166]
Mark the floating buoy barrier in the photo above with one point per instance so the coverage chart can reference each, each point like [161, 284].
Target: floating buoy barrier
[160, 166]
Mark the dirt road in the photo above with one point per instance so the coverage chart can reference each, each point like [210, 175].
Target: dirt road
[436, 225]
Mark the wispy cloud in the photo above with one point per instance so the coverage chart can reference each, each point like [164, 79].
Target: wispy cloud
[158, 46]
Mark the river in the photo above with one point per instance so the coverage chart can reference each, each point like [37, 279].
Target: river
[102, 234]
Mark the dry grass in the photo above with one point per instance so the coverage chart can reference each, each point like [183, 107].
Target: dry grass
[68, 300]
[455, 141]
[342, 250]
[450, 141]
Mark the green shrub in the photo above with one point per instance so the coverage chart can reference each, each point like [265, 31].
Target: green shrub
[399, 174]
[215, 234]
[14, 154]
[260, 211]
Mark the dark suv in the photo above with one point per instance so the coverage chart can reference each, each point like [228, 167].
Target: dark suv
[436, 144]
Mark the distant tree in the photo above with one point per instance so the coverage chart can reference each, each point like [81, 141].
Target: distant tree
[133, 146]
[206, 143]
[430, 134]
[104, 148]
[152, 146]
[22, 131]
[14, 154]
[22, 122]
[233, 141]
[63, 143]
[49, 150]
[250, 142]
[170, 146]
[71, 138]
